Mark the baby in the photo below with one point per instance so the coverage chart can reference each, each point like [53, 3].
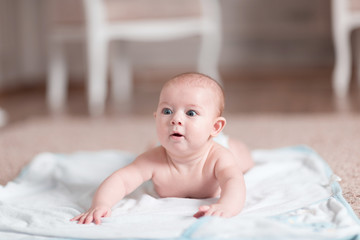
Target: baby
[189, 163]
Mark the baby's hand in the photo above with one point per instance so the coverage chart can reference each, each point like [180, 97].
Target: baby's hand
[220, 210]
[93, 215]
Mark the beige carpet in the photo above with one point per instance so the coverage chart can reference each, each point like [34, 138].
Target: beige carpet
[335, 137]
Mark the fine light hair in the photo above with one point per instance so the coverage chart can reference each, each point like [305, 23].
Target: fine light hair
[193, 79]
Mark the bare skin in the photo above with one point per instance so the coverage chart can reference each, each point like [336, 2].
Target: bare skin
[242, 154]
[187, 120]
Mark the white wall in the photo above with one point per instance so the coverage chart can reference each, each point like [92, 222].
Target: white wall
[275, 33]
[21, 43]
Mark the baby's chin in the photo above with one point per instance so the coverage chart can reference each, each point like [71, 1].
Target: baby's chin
[178, 148]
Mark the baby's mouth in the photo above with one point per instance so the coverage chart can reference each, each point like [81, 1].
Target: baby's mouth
[176, 135]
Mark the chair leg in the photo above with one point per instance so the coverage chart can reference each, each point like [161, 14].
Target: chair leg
[121, 72]
[341, 35]
[211, 40]
[357, 58]
[97, 74]
[97, 47]
[342, 69]
[208, 62]
[56, 78]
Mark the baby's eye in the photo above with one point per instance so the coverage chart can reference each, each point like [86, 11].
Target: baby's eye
[191, 113]
[166, 111]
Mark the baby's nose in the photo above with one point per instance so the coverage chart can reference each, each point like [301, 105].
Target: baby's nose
[176, 122]
[177, 119]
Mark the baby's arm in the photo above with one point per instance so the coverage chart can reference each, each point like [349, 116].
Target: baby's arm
[113, 189]
[233, 191]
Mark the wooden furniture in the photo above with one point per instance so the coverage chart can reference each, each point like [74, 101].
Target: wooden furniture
[100, 22]
[345, 18]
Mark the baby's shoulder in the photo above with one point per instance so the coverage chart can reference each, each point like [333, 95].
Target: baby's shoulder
[154, 155]
[222, 158]
[219, 150]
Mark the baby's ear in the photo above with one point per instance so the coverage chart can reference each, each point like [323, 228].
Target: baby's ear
[219, 125]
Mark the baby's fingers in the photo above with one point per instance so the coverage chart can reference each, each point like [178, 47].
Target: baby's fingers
[204, 208]
[79, 218]
[214, 210]
[210, 211]
[99, 214]
[89, 219]
[217, 213]
[76, 218]
[202, 211]
[82, 219]
[86, 218]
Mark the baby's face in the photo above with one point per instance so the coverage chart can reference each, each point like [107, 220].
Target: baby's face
[185, 117]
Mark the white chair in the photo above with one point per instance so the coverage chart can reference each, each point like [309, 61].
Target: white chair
[3, 117]
[119, 21]
[345, 18]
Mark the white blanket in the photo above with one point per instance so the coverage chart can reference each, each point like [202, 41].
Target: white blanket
[291, 193]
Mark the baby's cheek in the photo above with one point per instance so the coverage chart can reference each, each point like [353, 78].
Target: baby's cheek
[160, 133]
[201, 134]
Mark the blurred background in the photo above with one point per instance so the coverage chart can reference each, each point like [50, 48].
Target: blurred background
[276, 56]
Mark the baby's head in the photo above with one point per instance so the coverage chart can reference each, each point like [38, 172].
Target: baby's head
[194, 80]
[189, 113]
